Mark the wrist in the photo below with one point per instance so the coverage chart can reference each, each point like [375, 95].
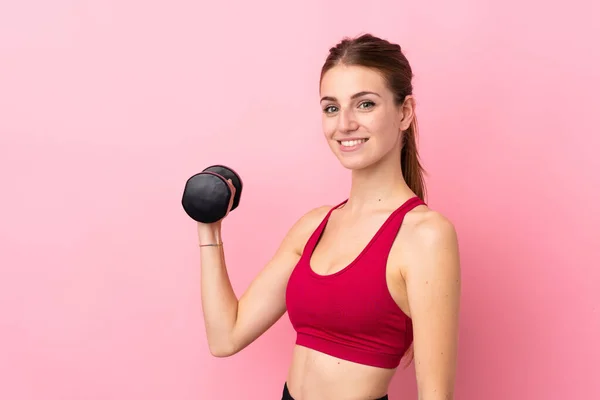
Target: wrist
[209, 234]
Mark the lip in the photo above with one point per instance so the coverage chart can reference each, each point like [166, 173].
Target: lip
[352, 138]
[349, 149]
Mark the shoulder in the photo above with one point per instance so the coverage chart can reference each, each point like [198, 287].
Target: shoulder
[430, 228]
[311, 219]
[433, 241]
[305, 225]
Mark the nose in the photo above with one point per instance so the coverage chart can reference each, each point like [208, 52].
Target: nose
[347, 122]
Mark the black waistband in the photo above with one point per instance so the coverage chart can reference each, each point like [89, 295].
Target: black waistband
[286, 393]
[288, 396]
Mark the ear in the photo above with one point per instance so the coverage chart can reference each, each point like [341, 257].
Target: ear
[407, 112]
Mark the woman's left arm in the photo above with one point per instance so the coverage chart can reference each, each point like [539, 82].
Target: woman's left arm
[433, 282]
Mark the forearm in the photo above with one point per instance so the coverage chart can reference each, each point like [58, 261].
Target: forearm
[219, 302]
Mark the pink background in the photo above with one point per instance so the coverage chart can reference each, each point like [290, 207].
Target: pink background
[107, 107]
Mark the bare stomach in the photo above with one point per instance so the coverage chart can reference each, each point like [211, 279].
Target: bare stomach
[317, 376]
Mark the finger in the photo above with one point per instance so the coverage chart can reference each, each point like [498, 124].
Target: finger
[232, 188]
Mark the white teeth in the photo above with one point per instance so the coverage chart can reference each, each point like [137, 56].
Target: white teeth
[350, 143]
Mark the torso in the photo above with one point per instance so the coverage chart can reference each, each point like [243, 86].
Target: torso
[315, 375]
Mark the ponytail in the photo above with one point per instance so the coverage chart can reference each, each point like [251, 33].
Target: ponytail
[412, 170]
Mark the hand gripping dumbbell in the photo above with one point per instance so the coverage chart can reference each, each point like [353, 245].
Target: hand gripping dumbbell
[207, 195]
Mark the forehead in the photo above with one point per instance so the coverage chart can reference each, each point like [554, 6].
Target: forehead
[343, 81]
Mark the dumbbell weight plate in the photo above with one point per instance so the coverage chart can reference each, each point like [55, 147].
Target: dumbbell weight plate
[206, 197]
[229, 173]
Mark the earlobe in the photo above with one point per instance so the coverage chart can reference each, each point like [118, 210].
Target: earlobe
[403, 121]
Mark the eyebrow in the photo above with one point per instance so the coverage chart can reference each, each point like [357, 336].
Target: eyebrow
[354, 96]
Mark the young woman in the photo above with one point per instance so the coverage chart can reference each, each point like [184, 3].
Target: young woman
[366, 282]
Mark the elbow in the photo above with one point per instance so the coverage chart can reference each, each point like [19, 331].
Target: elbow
[221, 350]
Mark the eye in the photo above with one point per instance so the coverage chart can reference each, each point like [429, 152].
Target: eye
[366, 104]
[330, 109]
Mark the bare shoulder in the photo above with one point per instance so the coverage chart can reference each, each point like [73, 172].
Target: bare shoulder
[313, 217]
[427, 228]
[433, 242]
[305, 226]
[424, 253]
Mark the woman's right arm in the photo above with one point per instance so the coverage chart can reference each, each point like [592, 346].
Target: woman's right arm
[233, 324]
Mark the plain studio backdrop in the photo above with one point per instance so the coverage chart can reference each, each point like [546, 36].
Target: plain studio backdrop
[107, 107]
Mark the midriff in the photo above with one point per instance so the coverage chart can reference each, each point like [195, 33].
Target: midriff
[318, 376]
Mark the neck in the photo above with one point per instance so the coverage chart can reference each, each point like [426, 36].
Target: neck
[379, 185]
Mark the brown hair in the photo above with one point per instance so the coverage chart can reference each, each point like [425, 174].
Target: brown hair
[387, 58]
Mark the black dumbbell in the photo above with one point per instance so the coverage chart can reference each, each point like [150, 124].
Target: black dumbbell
[206, 195]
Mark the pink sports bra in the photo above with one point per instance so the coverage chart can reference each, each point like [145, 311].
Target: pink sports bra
[351, 314]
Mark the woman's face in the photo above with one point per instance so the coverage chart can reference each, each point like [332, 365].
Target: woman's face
[361, 122]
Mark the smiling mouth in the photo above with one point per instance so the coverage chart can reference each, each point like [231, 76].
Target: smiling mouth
[352, 143]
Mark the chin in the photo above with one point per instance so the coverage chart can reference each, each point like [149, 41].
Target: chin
[354, 163]
[354, 159]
